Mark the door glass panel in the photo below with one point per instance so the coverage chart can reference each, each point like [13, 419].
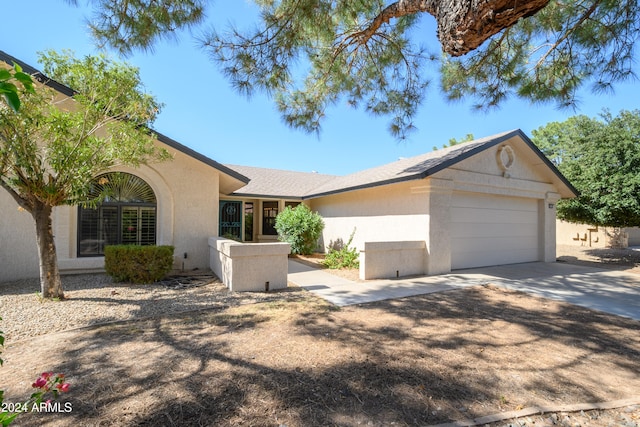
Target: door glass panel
[269, 214]
[248, 222]
[230, 220]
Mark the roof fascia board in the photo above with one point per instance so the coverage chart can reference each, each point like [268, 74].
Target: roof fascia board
[37, 74]
[198, 156]
[264, 196]
[448, 163]
[548, 163]
[467, 154]
[365, 186]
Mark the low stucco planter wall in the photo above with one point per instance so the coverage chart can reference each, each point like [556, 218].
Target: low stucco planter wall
[252, 267]
[384, 260]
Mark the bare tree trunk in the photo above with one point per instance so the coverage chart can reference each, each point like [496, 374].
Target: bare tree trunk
[50, 283]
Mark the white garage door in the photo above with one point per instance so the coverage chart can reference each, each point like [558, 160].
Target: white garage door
[493, 230]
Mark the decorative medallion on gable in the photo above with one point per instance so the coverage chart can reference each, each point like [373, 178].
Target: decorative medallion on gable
[506, 158]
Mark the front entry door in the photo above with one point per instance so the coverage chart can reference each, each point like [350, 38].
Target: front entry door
[230, 219]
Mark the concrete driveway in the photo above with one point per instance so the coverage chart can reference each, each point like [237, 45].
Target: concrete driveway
[611, 291]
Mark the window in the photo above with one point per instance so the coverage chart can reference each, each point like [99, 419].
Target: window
[291, 205]
[248, 222]
[126, 215]
[269, 213]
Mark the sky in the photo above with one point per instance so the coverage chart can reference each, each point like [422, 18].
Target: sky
[203, 112]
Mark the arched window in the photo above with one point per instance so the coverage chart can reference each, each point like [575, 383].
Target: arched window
[126, 215]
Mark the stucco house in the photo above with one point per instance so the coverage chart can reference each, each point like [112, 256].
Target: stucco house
[486, 202]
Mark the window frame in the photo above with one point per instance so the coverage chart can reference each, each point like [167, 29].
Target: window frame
[268, 219]
[146, 230]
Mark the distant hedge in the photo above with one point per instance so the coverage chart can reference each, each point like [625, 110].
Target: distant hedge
[138, 264]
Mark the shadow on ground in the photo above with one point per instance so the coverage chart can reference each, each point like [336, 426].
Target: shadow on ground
[414, 361]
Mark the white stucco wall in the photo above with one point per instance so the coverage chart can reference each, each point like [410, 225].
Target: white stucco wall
[18, 253]
[251, 267]
[187, 215]
[592, 236]
[421, 209]
[383, 260]
[389, 213]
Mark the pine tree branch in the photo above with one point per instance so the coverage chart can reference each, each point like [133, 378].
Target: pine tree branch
[463, 25]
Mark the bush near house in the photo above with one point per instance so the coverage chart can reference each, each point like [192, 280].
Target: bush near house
[138, 264]
[341, 255]
[299, 227]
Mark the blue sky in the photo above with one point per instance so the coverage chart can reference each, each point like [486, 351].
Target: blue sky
[204, 113]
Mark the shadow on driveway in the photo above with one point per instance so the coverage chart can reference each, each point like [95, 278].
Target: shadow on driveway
[610, 291]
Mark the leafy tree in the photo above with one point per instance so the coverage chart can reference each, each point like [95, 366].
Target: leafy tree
[56, 144]
[299, 227]
[9, 90]
[311, 54]
[601, 158]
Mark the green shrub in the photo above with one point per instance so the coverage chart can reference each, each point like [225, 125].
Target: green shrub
[299, 227]
[342, 256]
[138, 264]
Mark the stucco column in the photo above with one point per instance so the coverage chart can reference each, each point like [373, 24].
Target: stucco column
[548, 223]
[438, 241]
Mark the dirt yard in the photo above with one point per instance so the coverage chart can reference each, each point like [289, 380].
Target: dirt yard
[295, 360]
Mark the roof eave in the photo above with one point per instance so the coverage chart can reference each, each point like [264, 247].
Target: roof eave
[550, 165]
[365, 186]
[267, 196]
[448, 163]
[201, 157]
[40, 77]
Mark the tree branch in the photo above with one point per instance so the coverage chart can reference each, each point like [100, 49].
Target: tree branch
[23, 203]
[463, 25]
[568, 32]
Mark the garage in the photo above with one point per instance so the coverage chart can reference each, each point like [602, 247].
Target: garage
[493, 230]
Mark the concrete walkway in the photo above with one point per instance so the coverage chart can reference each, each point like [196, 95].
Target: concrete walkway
[341, 292]
[611, 291]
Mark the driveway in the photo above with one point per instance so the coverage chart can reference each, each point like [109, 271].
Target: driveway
[611, 291]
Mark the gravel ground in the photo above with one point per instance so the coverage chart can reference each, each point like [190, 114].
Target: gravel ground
[621, 417]
[95, 299]
[92, 299]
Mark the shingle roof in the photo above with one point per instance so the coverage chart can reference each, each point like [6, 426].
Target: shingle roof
[279, 184]
[411, 168]
[40, 77]
[275, 183]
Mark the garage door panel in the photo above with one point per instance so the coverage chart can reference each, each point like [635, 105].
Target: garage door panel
[493, 230]
[497, 202]
[471, 231]
[485, 258]
[494, 244]
[492, 215]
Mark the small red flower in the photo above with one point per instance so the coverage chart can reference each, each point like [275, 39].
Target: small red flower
[63, 387]
[40, 383]
[46, 375]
